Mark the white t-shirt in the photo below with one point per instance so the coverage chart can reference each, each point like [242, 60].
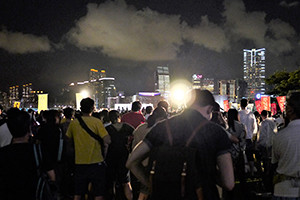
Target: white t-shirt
[5, 135]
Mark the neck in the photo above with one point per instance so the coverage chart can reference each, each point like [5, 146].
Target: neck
[86, 114]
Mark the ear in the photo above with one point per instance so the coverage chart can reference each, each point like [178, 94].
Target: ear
[209, 110]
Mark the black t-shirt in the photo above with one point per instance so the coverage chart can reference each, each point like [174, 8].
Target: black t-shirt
[211, 141]
[49, 136]
[18, 171]
[118, 148]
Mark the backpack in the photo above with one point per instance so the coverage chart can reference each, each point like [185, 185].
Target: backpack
[46, 190]
[172, 170]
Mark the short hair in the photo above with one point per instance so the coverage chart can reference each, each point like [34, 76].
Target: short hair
[68, 112]
[18, 123]
[159, 112]
[163, 104]
[87, 105]
[293, 100]
[103, 115]
[264, 113]
[149, 109]
[202, 98]
[244, 103]
[136, 106]
[113, 116]
[50, 116]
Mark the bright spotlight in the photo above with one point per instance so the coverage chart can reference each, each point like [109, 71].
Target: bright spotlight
[179, 89]
[85, 94]
[179, 94]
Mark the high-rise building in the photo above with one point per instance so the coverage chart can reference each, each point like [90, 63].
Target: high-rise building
[197, 81]
[254, 71]
[107, 92]
[208, 84]
[228, 87]
[162, 81]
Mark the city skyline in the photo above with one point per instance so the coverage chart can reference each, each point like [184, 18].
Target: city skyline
[53, 43]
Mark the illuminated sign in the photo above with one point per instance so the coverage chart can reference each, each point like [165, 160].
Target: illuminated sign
[102, 71]
[94, 70]
[258, 96]
[149, 94]
[197, 76]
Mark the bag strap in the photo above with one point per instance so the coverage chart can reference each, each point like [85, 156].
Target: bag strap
[88, 130]
[38, 157]
[170, 138]
[60, 147]
[91, 133]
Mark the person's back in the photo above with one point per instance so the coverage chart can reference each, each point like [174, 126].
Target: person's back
[18, 168]
[135, 117]
[18, 171]
[286, 152]
[89, 157]
[248, 119]
[210, 141]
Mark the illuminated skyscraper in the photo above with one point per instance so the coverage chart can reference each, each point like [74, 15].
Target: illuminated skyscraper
[254, 71]
[162, 81]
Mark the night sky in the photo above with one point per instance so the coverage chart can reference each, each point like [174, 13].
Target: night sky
[52, 43]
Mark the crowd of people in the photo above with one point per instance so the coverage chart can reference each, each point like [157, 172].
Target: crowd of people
[112, 155]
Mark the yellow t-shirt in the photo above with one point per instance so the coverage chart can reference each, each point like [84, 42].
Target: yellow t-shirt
[87, 149]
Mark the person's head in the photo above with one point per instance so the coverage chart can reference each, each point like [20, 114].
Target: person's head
[136, 106]
[103, 115]
[51, 117]
[158, 114]
[114, 116]
[233, 115]
[149, 109]
[18, 123]
[292, 108]
[264, 114]
[215, 113]
[244, 103]
[69, 113]
[203, 101]
[163, 104]
[87, 105]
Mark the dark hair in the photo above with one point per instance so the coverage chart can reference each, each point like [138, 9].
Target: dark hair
[264, 113]
[136, 106]
[215, 114]
[232, 116]
[163, 104]
[50, 116]
[103, 115]
[149, 109]
[202, 97]
[113, 116]
[87, 105]
[159, 112]
[68, 112]
[244, 103]
[18, 123]
[293, 100]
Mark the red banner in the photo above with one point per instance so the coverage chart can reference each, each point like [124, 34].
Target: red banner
[258, 106]
[265, 103]
[273, 108]
[226, 105]
[281, 101]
